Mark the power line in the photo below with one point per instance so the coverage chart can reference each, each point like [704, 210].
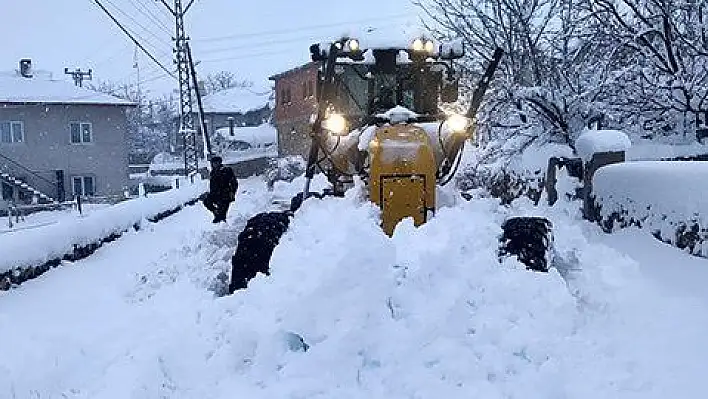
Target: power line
[158, 49]
[243, 56]
[268, 43]
[139, 24]
[143, 9]
[168, 7]
[137, 43]
[294, 30]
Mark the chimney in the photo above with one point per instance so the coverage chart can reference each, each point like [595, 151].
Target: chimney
[26, 67]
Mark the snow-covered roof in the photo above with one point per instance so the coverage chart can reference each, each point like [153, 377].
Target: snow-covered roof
[594, 141]
[254, 135]
[237, 100]
[43, 88]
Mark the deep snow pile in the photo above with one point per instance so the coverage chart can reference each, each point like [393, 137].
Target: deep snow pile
[428, 313]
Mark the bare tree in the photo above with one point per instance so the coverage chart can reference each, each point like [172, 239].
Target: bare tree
[549, 79]
[661, 56]
[223, 80]
[149, 123]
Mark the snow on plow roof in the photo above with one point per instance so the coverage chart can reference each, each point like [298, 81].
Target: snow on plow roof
[42, 88]
[594, 141]
[237, 100]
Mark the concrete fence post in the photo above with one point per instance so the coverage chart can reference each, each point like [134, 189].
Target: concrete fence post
[597, 161]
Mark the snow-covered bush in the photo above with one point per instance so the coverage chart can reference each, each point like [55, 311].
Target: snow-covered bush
[666, 198]
[509, 169]
[284, 169]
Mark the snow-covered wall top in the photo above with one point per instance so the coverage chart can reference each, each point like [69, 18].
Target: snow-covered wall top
[237, 100]
[674, 190]
[254, 135]
[594, 141]
[42, 88]
[33, 247]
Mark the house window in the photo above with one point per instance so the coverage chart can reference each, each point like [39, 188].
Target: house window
[310, 89]
[83, 185]
[12, 132]
[81, 132]
[286, 96]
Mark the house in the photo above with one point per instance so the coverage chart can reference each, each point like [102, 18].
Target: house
[237, 107]
[296, 102]
[261, 138]
[58, 140]
[245, 106]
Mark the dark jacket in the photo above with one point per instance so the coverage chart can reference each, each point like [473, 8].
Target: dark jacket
[223, 183]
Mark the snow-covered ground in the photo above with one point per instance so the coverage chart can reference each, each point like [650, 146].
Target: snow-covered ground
[428, 313]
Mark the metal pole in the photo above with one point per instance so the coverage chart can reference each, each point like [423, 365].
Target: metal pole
[191, 158]
[324, 98]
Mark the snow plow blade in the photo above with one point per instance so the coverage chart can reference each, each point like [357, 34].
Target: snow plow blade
[530, 239]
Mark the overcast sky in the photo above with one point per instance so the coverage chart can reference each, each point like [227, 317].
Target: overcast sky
[253, 38]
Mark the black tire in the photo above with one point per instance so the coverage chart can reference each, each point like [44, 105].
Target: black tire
[255, 246]
[530, 239]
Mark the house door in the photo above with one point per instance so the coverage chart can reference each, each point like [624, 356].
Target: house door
[7, 191]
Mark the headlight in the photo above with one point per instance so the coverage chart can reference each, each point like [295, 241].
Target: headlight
[418, 45]
[457, 123]
[353, 45]
[335, 123]
[429, 46]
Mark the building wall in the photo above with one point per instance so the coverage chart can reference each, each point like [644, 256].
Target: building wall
[295, 103]
[293, 110]
[47, 144]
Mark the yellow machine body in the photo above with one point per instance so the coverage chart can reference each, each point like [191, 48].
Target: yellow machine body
[402, 174]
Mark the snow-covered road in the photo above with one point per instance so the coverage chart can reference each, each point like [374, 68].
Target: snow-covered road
[428, 313]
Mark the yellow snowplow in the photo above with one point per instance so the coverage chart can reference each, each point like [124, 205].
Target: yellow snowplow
[398, 140]
[380, 118]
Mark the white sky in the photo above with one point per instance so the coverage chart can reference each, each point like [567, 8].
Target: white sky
[254, 40]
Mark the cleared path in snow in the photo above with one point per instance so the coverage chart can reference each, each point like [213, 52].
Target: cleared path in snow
[428, 313]
[79, 323]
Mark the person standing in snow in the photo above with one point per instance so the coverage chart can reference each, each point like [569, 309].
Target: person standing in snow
[222, 190]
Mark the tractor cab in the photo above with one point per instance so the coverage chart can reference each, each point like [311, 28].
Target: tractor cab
[370, 81]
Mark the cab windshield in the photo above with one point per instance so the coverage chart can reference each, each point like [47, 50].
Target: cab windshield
[364, 90]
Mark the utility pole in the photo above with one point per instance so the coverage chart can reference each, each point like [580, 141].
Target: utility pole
[186, 127]
[78, 75]
[136, 65]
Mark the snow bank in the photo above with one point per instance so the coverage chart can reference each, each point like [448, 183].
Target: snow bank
[664, 196]
[31, 248]
[594, 141]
